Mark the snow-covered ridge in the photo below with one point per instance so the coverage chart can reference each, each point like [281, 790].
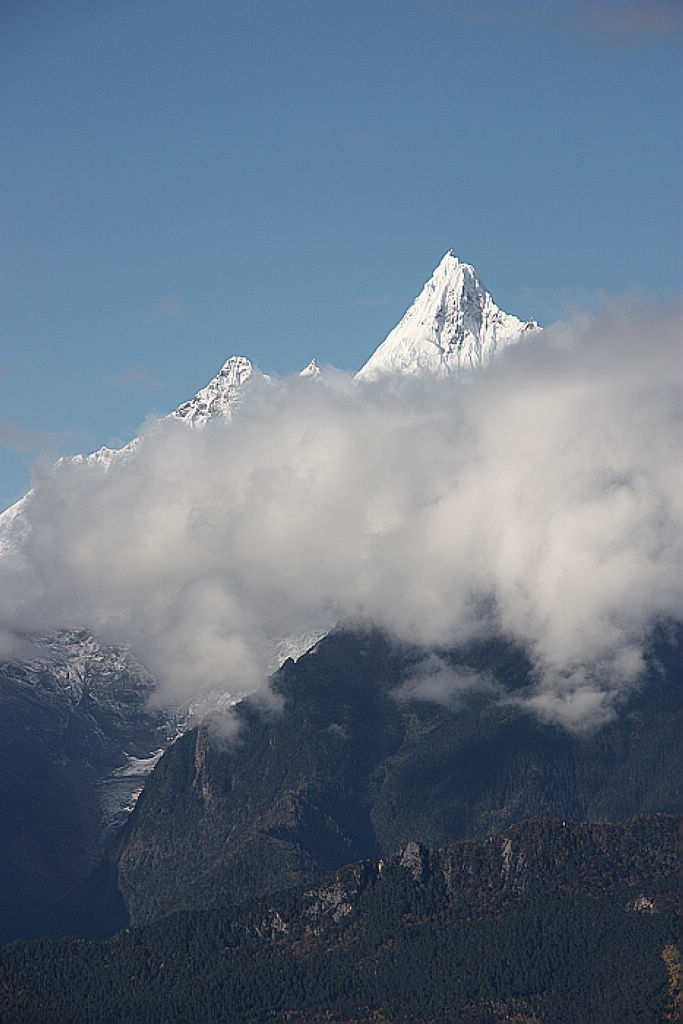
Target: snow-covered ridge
[220, 397]
[71, 662]
[452, 326]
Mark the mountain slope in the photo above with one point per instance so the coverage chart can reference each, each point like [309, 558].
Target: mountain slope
[350, 770]
[452, 326]
[53, 702]
[354, 787]
[550, 923]
[76, 741]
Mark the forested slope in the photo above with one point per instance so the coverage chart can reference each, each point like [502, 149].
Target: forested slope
[550, 923]
[350, 769]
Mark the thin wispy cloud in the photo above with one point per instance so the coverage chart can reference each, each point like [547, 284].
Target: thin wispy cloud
[170, 305]
[610, 23]
[629, 22]
[362, 138]
[542, 500]
[370, 302]
[435, 680]
[138, 378]
[34, 443]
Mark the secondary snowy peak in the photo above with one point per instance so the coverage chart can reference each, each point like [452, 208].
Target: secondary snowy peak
[223, 394]
[452, 325]
[220, 396]
[312, 370]
[219, 399]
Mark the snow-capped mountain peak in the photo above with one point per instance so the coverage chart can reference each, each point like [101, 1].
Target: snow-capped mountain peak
[220, 396]
[452, 325]
[312, 370]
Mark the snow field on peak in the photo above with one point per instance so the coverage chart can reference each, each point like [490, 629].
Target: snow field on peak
[452, 326]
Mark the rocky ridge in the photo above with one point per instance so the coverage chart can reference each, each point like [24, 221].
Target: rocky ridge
[545, 924]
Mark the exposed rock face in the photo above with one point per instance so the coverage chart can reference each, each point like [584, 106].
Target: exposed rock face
[336, 898]
[414, 858]
[201, 783]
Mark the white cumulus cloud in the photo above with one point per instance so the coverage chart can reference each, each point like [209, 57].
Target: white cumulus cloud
[542, 499]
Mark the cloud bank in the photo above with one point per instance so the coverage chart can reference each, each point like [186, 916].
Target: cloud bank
[542, 498]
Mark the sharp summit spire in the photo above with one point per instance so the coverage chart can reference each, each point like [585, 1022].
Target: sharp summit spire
[452, 325]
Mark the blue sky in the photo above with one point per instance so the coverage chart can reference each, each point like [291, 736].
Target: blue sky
[185, 181]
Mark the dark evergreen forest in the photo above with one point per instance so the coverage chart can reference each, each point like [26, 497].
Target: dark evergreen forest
[550, 923]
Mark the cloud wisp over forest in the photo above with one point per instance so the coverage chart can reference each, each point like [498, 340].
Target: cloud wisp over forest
[542, 498]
